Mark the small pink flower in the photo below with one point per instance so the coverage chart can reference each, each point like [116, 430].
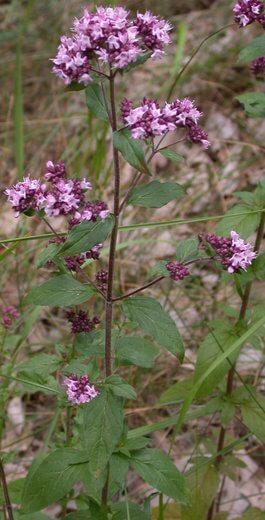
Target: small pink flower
[29, 194]
[79, 390]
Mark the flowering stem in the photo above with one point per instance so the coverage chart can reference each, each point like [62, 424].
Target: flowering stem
[114, 234]
[230, 377]
[193, 54]
[8, 505]
[50, 227]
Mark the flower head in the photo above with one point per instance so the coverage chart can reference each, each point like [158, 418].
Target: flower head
[90, 211]
[26, 195]
[102, 279]
[55, 171]
[248, 11]
[79, 390]
[73, 263]
[257, 66]
[9, 315]
[81, 322]
[234, 252]
[71, 62]
[150, 119]
[110, 35]
[177, 270]
[66, 197]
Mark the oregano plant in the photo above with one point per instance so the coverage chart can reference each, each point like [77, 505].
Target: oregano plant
[86, 472]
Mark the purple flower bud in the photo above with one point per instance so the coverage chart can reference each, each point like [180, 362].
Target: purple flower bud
[91, 211]
[55, 171]
[102, 279]
[234, 253]
[81, 322]
[79, 390]
[9, 315]
[177, 270]
[257, 66]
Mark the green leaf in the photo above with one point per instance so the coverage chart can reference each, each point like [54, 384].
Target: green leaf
[128, 511]
[255, 49]
[254, 103]
[155, 194]
[83, 514]
[137, 351]
[52, 479]
[187, 250]
[172, 156]
[254, 416]
[86, 235]
[221, 338]
[120, 387]
[215, 364]
[245, 225]
[43, 364]
[95, 101]
[47, 254]
[156, 468]
[177, 392]
[118, 469]
[151, 317]
[202, 488]
[135, 444]
[60, 291]
[131, 150]
[102, 428]
[75, 87]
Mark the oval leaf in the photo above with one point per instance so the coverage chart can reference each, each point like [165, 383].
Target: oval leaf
[155, 194]
[131, 150]
[60, 291]
[86, 235]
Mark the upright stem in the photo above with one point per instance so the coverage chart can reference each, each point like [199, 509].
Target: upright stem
[113, 240]
[230, 377]
[8, 504]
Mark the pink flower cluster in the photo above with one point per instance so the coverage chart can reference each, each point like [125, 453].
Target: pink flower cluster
[257, 66]
[150, 120]
[234, 253]
[9, 315]
[79, 390]
[64, 197]
[81, 322]
[74, 263]
[177, 270]
[249, 11]
[111, 36]
[27, 195]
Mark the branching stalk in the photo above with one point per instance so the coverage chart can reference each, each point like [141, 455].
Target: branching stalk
[230, 377]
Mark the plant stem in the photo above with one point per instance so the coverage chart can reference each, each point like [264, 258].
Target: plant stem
[193, 54]
[230, 377]
[8, 504]
[113, 240]
[112, 252]
[139, 289]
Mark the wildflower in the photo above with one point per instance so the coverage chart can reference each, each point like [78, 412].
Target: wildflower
[81, 322]
[249, 11]
[79, 390]
[9, 314]
[65, 197]
[150, 120]
[234, 253]
[55, 171]
[154, 32]
[102, 279]
[196, 134]
[91, 211]
[257, 66]
[177, 270]
[26, 195]
[111, 36]
[71, 62]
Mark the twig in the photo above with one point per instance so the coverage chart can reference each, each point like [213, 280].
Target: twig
[8, 504]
